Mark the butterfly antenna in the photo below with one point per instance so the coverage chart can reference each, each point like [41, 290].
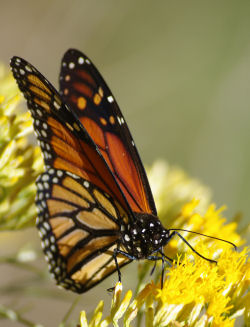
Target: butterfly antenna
[215, 238]
[189, 245]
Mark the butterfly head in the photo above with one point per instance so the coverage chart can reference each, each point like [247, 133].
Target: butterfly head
[145, 236]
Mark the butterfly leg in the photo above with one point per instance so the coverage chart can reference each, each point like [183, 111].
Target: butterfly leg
[166, 257]
[125, 254]
[115, 253]
[116, 263]
[155, 258]
[153, 269]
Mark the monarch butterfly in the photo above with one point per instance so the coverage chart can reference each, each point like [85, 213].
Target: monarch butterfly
[96, 212]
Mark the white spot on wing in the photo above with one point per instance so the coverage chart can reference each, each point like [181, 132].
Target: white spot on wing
[39, 186]
[46, 185]
[110, 99]
[127, 238]
[59, 173]
[52, 239]
[86, 184]
[46, 225]
[55, 180]
[45, 177]
[39, 112]
[72, 175]
[56, 105]
[80, 60]
[44, 133]
[28, 68]
[53, 248]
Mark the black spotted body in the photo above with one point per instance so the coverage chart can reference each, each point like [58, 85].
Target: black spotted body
[145, 236]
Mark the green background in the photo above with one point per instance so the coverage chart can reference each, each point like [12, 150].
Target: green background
[180, 71]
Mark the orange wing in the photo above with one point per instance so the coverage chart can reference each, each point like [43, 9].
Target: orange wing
[64, 141]
[87, 94]
[81, 206]
[79, 227]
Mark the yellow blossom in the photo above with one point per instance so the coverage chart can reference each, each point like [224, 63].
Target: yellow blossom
[197, 292]
[193, 294]
[20, 161]
[172, 188]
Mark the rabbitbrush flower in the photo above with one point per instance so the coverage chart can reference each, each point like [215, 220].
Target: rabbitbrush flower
[195, 292]
[20, 161]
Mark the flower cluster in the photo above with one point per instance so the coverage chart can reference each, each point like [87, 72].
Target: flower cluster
[20, 161]
[196, 292]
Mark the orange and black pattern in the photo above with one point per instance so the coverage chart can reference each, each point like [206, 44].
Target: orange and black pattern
[96, 212]
[87, 94]
[79, 227]
[64, 141]
[89, 188]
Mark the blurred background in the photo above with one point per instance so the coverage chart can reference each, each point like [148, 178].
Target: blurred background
[180, 71]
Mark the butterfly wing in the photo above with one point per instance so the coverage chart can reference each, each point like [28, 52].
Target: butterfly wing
[68, 149]
[84, 90]
[65, 143]
[79, 229]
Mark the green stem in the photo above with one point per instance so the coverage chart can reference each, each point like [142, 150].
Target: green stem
[15, 316]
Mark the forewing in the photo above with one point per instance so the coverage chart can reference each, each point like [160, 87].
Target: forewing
[65, 143]
[84, 90]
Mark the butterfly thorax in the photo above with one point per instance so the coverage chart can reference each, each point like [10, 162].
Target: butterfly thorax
[145, 236]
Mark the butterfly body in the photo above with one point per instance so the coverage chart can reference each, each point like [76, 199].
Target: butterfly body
[96, 212]
[145, 236]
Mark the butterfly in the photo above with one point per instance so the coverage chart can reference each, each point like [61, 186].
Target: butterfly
[96, 212]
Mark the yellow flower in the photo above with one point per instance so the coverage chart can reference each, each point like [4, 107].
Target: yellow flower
[195, 292]
[172, 188]
[118, 308]
[20, 161]
[212, 223]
